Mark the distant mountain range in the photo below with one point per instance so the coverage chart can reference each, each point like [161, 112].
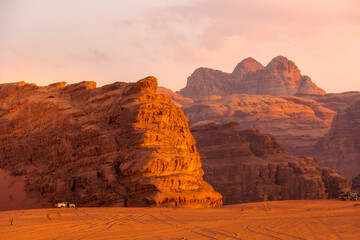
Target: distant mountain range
[278, 100]
[252, 134]
[280, 77]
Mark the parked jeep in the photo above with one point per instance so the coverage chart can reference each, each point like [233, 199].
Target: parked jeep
[353, 196]
[65, 205]
[346, 196]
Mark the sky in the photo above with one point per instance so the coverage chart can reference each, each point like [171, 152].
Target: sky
[47, 41]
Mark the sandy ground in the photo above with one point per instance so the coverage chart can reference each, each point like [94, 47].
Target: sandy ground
[317, 219]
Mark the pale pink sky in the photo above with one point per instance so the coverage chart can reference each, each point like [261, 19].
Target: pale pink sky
[44, 41]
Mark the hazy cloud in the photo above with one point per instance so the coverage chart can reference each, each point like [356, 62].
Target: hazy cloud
[260, 20]
[127, 40]
[15, 52]
[60, 66]
[93, 55]
[122, 22]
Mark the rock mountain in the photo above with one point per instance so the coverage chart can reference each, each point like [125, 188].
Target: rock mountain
[340, 147]
[278, 100]
[297, 123]
[245, 165]
[324, 127]
[281, 77]
[129, 144]
[118, 145]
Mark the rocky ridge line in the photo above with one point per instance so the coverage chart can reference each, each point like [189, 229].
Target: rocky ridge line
[280, 77]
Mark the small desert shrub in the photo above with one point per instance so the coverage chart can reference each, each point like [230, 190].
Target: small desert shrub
[11, 220]
[48, 217]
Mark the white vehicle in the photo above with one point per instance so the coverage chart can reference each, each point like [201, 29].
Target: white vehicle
[65, 205]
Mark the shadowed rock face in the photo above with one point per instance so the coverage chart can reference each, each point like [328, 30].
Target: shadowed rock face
[337, 102]
[245, 165]
[118, 145]
[340, 148]
[356, 183]
[281, 76]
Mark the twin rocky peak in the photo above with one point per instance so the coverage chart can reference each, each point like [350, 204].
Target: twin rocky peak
[280, 77]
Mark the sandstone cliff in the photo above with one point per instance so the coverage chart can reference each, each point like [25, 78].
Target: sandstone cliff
[340, 148]
[280, 76]
[246, 166]
[118, 145]
[356, 183]
[178, 100]
[297, 123]
[337, 102]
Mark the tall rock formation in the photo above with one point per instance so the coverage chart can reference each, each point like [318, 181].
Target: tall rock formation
[356, 183]
[340, 148]
[246, 165]
[118, 145]
[280, 77]
[297, 123]
[205, 82]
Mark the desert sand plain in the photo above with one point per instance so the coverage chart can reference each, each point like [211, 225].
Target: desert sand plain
[300, 219]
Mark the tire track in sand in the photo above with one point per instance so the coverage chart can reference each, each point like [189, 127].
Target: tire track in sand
[114, 221]
[287, 235]
[214, 232]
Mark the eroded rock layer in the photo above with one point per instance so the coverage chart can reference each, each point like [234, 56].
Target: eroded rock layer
[340, 148]
[297, 123]
[118, 145]
[356, 183]
[246, 166]
[281, 76]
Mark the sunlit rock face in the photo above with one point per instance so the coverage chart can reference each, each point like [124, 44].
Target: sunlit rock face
[178, 100]
[245, 165]
[280, 77]
[118, 145]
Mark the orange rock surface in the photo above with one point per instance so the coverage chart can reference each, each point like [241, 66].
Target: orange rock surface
[296, 122]
[178, 100]
[340, 148]
[118, 145]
